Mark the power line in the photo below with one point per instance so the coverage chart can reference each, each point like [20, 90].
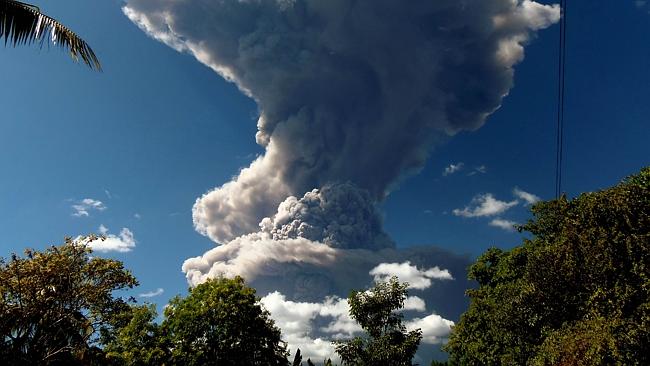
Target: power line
[560, 99]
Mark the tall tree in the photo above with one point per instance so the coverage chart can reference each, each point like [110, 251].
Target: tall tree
[576, 293]
[136, 339]
[54, 303]
[221, 322]
[387, 342]
[22, 23]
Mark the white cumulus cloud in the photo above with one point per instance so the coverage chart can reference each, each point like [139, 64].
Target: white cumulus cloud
[122, 242]
[485, 205]
[415, 303]
[503, 224]
[435, 329]
[453, 168]
[417, 278]
[296, 321]
[529, 198]
[149, 294]
[311, 326]
[482, 169]
[85, 206]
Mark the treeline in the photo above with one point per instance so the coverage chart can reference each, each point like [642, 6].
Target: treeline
[58, 308]
[577, 292]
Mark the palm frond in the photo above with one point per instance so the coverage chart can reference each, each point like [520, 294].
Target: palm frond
[22, 23]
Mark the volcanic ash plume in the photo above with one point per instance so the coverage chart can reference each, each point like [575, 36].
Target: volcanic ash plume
[352, 95]
[348, 91]
[322, 229]
[338, 215]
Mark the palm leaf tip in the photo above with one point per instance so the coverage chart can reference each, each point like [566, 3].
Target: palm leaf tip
[23, 24]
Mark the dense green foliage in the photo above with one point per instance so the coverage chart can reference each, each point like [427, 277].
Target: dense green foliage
[57, 308]
[137, 340]
[577, 293]
[387, 341]
[221, 322]
[54, 303]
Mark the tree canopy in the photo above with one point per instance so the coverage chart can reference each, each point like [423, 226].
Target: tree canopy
[387, 342]
[576, 293]
[57, 307]
[221, 322]
[54, 303]
[136, 339]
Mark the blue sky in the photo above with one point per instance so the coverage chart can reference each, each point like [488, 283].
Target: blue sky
[157, 129]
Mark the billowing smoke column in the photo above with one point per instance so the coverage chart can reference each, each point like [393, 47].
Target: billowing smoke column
[348, 91]
[338, 215]
[352, 95]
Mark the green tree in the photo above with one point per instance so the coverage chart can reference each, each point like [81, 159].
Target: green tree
[576, 293]
[221, 322]
[54, 303]
[22, 23]
[136, 340]
[387, 342]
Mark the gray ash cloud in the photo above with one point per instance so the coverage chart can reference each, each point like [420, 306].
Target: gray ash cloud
[338, 215]
[348, 91]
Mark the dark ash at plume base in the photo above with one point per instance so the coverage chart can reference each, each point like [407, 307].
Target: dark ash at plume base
[338, 215]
